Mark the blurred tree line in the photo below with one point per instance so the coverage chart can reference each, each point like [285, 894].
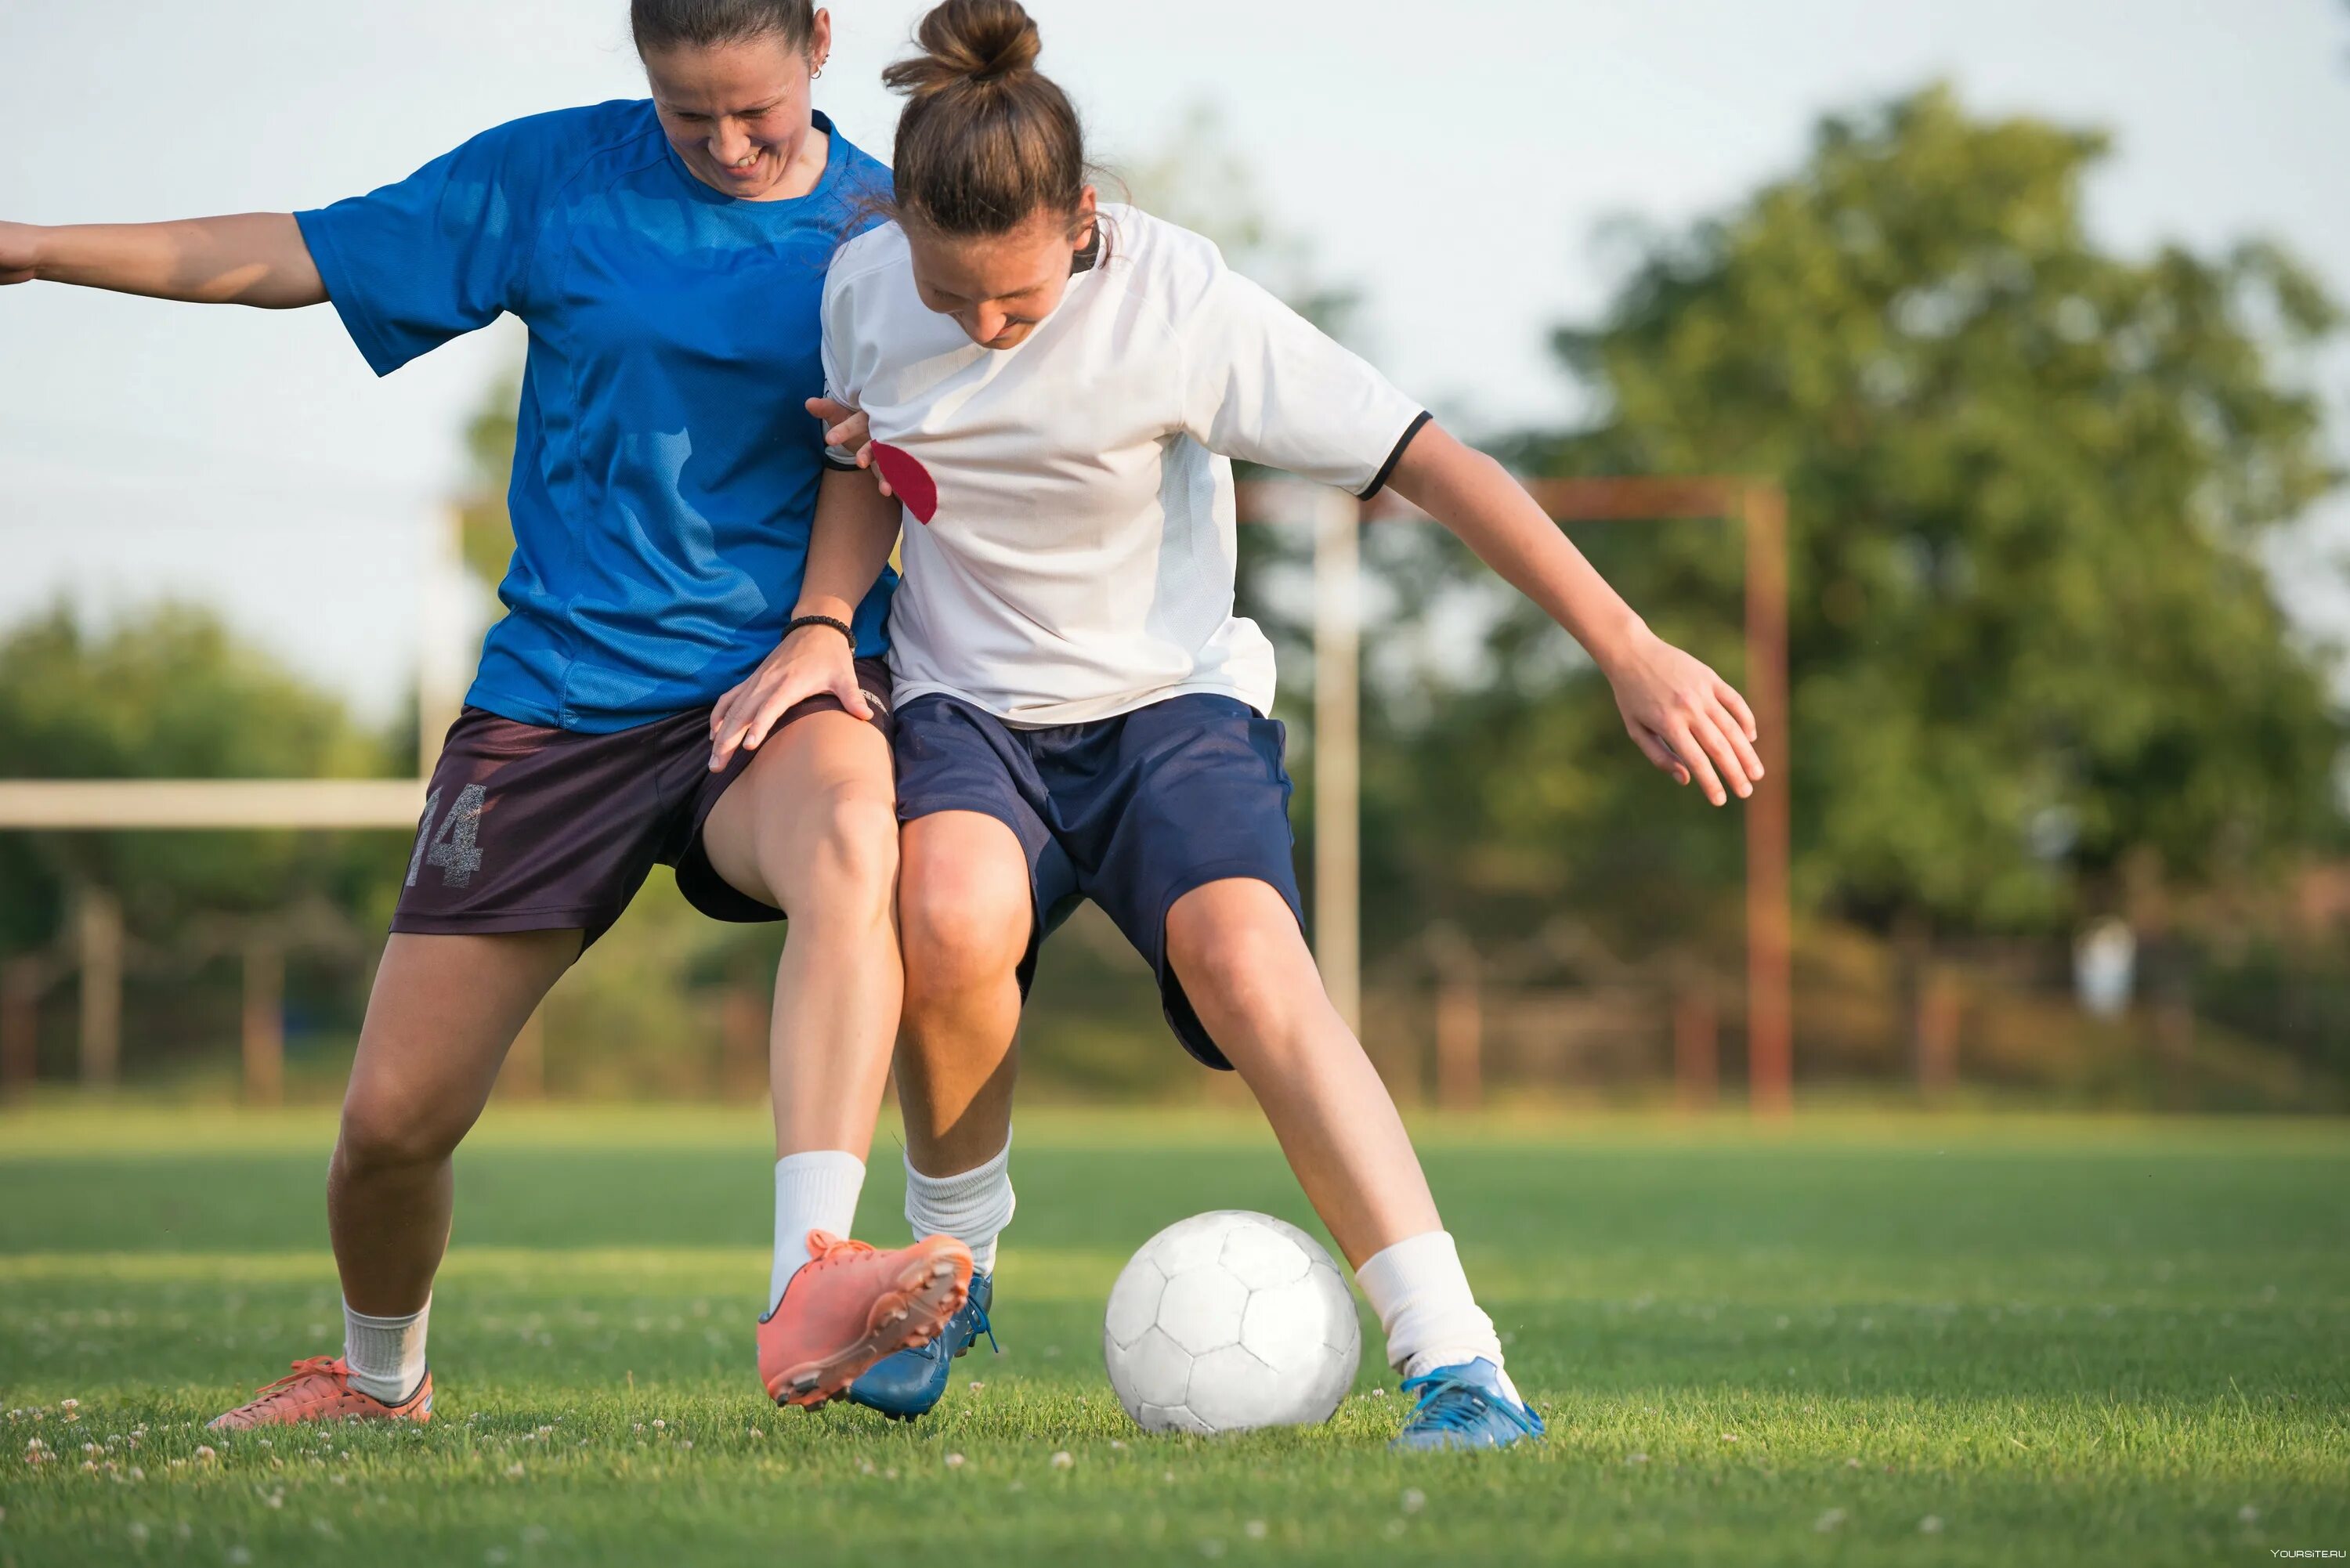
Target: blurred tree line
[171, 694]
[2039, 671]
[168, 695]
[2032, 633]
[2039, 675]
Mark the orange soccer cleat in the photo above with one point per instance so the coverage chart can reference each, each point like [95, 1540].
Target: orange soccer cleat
[319, 1389]
[849, 1305]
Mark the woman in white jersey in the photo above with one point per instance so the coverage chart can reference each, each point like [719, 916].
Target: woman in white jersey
[1054, 391]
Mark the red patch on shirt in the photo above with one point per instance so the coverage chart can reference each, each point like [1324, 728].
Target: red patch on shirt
[908, 480]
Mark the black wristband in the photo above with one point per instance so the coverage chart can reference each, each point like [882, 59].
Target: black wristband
[841, 626]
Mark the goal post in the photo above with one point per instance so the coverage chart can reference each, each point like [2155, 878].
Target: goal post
[183, 804]
[396, 805]
[1759, 507]
[93, 950]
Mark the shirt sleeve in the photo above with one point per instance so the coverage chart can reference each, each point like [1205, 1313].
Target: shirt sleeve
[442, 252]
[837, 338]
[1267, 386]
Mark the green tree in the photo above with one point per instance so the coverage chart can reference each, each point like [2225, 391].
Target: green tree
[171, 694]
[2030, 481]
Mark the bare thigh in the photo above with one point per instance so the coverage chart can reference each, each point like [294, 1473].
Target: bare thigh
[820, 787]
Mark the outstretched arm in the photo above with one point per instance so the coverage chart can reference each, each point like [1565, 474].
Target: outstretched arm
[856, 528]
[248, 258]
[1685, 719]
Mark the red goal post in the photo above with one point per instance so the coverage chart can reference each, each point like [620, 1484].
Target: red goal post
[118, 805]
[1760, 507]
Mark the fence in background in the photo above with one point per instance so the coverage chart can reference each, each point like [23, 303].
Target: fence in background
[93, 954]
[1761, 508]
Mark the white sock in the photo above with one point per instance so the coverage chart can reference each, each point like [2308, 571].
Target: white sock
[1424, 1303]
[386, 1355]
[974, 1206]
[813, 1192]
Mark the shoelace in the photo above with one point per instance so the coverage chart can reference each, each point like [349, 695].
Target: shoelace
[986, 1328]
[303, 1369]
[842, 1247]
[938, 1347]
[1449, 1404]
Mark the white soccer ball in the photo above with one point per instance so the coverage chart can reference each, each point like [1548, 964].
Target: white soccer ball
[1229, 1321]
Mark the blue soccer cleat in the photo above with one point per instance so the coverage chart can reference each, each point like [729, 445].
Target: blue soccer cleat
[906, 1385]
[1463, 1406]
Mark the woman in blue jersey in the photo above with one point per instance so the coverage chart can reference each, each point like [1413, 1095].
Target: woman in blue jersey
[668, 257]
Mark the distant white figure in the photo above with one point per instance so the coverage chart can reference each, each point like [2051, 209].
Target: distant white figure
[2104, 967]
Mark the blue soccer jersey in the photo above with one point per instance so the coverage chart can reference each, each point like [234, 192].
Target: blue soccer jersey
[665, 473]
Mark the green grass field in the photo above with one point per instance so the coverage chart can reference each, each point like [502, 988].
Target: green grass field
[1905, 1340]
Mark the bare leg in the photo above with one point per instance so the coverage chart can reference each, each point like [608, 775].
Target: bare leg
[1245, 966]
[811, 827]
[443, 1011]
[964, 903]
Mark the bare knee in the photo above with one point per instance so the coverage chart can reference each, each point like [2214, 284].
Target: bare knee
[842, 863]
[957, 944]
[386, 1133]
[1243, 964]
[1228, 975]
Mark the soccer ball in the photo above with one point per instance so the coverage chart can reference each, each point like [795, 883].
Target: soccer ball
[1229, 1321]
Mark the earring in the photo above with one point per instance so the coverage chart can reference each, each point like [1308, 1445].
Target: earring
[817, 72]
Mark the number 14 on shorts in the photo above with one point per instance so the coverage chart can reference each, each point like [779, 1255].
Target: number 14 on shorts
[454, 849]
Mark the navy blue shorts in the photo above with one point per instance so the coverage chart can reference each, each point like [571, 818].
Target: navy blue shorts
[1132, 812]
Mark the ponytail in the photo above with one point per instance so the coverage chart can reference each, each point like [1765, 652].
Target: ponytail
[986, 140]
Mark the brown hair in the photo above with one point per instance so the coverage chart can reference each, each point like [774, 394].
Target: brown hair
[986, 139]
[658, 25]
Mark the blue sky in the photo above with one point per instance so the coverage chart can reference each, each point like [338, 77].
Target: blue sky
[1453, 162]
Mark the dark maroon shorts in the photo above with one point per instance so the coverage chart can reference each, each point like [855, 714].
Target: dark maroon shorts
[532, 829]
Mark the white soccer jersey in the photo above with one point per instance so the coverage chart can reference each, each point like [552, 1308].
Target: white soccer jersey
[1069, 546]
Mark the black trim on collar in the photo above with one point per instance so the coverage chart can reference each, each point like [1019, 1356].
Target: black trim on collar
[1387, 469]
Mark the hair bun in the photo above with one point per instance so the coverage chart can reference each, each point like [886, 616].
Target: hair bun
[968, 42]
